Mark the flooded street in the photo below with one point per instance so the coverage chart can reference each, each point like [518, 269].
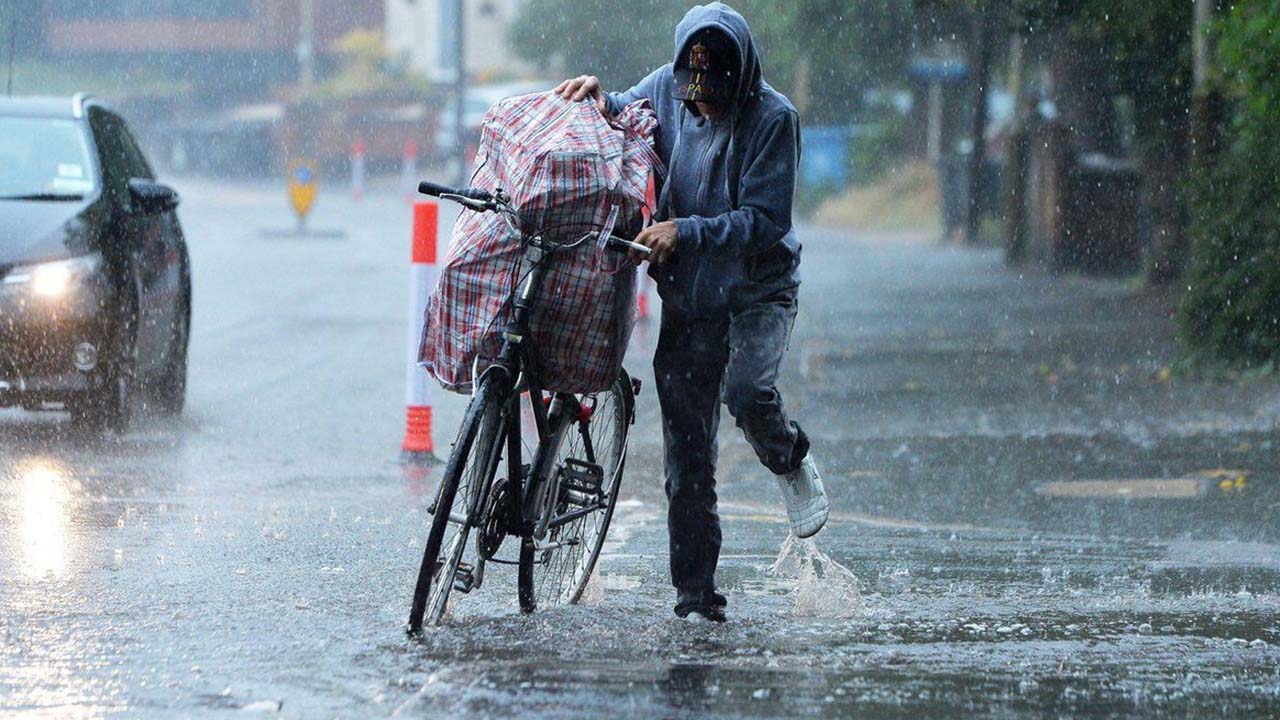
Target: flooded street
[1042, 515]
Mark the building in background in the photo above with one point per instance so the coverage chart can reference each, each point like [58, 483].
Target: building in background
[256, 42]
[422, 32]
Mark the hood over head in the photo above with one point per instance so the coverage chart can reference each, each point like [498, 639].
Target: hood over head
[720, 16]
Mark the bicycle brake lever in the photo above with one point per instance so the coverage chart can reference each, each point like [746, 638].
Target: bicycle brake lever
[469, 203]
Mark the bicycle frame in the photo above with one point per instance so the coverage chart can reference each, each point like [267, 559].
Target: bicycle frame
[573, 488]
[516, 364]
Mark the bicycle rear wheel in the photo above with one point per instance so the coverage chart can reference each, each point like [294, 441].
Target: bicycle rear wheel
[559, 573]
[459, 501]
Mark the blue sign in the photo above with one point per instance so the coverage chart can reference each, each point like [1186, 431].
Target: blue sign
[824, 161]
[942, 69]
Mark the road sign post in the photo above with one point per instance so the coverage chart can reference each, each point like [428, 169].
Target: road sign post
[303, 181]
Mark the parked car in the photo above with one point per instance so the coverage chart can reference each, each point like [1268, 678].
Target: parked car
[95, 280]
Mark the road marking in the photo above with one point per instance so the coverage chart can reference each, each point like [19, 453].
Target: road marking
[1184, 488]
[1142, 489]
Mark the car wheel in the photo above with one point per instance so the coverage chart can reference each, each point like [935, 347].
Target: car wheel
[109, 407]
[170, 389]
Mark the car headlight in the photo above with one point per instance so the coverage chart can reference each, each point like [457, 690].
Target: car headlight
[54, 279]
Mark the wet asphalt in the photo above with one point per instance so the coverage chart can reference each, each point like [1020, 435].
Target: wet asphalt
[1044, 518]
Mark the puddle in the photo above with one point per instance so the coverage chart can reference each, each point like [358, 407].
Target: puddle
[617, 582]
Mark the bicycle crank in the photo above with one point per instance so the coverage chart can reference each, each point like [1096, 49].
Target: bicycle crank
[493, 528]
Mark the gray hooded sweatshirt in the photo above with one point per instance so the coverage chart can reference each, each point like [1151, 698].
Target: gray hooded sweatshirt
[729, 183]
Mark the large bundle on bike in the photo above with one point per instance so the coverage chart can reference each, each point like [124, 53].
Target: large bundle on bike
[568, 171]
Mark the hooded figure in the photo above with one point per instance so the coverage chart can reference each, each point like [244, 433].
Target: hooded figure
[729, 183]
[728, 277]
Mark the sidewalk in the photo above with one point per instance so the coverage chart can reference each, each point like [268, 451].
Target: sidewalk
[941, 387]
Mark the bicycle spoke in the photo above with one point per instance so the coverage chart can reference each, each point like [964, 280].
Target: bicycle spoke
[561, 572]
[459, 511]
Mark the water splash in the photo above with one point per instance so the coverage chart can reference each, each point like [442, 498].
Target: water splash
[824, 587]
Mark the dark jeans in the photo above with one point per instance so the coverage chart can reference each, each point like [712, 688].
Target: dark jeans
[697, 364]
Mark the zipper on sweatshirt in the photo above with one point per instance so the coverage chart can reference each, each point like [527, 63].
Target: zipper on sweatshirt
[704, 166]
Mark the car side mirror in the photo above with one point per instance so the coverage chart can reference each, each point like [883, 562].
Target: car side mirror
[152, 198]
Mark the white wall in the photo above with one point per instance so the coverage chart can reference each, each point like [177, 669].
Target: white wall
[415, 28]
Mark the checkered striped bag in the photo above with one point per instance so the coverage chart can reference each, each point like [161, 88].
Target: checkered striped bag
[568, 171]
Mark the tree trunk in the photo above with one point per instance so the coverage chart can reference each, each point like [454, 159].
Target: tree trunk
[1015, 163]
[1167, 204]
[1170, 236]
[984, 29]
[1080, 68]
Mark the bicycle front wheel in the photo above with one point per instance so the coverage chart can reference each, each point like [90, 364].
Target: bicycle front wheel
[560, 571]
[458, 504]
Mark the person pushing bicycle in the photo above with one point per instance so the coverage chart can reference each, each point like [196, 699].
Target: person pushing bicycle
[726, 262]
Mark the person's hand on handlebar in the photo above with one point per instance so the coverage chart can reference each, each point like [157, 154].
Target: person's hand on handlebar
[583, 86]
[660, 238]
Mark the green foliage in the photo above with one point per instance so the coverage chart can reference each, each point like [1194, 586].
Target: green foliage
[1149, 47]
[840, 47]
[618, 40]
[1232, 307]
[363, 70]
[879, 150]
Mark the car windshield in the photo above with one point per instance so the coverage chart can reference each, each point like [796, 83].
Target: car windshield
[44, 158]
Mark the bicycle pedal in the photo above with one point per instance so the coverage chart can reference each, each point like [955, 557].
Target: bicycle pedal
[464, 578]
[580, 481]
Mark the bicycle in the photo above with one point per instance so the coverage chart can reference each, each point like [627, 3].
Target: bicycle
[560, 503]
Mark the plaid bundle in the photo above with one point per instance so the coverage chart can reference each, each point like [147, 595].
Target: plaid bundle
[567, 170]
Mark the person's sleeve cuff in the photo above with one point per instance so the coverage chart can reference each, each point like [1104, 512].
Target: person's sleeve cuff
[612, 103]
[686, 233]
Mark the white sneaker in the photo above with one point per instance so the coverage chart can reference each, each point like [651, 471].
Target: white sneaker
[805, 499]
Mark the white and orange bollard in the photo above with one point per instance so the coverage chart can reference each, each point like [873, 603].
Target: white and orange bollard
[642, 297]
[420, 389]
[358, 153]
[409, 171]
[643, 283]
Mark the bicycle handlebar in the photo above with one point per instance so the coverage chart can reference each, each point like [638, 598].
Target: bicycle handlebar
[478, 199]
[619, 245]
[429, 188]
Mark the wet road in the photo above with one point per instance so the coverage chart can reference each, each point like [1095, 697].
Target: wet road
[258, 555]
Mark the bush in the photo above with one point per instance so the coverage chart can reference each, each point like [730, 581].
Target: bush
[879, 150]
[1231, 310]
[365, 70]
